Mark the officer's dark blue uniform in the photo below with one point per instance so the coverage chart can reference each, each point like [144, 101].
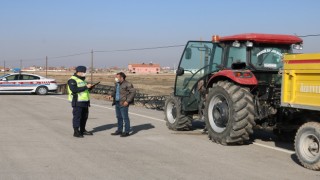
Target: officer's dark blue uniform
[80, 107]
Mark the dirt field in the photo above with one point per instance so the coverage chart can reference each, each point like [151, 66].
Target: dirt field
[152, 84]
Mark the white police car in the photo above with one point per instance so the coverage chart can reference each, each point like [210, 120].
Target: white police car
[26, 83]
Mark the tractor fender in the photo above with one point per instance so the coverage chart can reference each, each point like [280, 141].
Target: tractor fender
[242, 77]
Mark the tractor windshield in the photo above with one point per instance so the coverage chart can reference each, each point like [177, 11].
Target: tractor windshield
[268, 57]
[199, 59]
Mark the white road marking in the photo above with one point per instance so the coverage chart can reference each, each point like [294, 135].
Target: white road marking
[130, 113]
[274, 148]
[258, 144]
[96, 105]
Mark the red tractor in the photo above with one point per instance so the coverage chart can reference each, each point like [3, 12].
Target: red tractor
[234, 84]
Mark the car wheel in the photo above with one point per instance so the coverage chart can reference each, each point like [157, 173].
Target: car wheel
[42, 90]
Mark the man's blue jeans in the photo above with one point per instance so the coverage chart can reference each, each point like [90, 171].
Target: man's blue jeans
[123, 117]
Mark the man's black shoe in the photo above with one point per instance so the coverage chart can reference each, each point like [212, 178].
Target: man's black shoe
[87, 133]
[124, 135]
[77, 133]
[116, 133]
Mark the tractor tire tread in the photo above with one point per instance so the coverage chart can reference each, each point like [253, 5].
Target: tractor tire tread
[243, 118]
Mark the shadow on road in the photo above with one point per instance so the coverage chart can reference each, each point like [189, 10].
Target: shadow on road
[263, 135]
[198, 124]
[141, 127]
[295, 159]
[268, 136]
[135, 129]
[103, 127]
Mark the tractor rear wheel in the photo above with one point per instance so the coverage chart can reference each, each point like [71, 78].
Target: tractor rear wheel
[229, 113]
[176, 119]
[307, 145]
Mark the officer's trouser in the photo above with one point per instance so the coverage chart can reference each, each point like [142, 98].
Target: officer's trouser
[80, 116]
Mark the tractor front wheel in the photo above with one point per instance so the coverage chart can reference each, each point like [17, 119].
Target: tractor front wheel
[175, 118]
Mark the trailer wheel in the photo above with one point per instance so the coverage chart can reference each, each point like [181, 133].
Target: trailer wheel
[307, 145]
[229, 113]
[176, 119]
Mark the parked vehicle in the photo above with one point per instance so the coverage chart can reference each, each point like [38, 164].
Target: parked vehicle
[26, 83]
[236, 87]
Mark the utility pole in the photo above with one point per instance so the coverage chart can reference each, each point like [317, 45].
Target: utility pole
[201, 65]
[92, 66]
[46, 66]
[4, 67]
[20, 65]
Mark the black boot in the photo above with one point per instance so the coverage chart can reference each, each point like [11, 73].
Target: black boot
[85, 132]
[77, 133]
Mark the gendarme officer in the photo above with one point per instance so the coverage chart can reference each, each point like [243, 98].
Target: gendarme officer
[79, 96]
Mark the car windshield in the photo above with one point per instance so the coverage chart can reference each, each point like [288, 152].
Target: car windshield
[267, 57]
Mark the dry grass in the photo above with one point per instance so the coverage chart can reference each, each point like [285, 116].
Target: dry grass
[152, 84]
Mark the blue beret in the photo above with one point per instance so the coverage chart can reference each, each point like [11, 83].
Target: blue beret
[81, 69]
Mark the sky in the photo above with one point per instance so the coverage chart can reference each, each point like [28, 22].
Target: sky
[66, 31]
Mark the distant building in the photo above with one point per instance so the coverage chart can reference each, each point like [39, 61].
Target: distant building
[30, 69]
[144, 68]
[2, 69]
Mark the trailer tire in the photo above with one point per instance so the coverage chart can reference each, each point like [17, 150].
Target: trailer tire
[229, 113]
[307, 145]
[175, 118]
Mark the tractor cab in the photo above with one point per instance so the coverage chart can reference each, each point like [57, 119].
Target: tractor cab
[210, 61]
[260, 52]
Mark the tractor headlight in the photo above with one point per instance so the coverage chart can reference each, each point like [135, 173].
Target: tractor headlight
[249, 44]
[297, 46]
[236, 44]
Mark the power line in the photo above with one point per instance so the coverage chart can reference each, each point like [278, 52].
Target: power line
[123, 50]
[29, 59]
[70, 55]
[140, 49]
[310, 35]
[32, 59]
[56, 57]
[84, 53]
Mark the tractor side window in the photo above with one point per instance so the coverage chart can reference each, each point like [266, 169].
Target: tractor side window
[196, 62]
[217, 55]
[200, 53]
[236, 54]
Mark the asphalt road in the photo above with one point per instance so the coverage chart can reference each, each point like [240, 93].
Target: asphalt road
[37, 143]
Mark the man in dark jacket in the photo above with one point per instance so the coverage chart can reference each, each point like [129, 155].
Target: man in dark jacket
[78, 91]
[123, 96]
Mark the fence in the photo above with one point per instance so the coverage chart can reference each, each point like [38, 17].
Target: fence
[148, 101]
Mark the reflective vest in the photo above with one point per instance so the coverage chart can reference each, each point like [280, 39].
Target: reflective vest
[82, 96]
